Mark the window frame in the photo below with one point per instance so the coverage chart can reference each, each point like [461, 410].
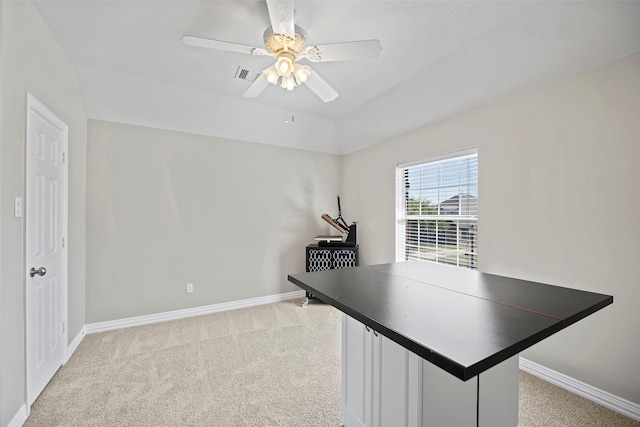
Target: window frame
[470, 256]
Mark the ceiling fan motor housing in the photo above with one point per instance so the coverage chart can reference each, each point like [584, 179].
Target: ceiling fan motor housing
[279, 43]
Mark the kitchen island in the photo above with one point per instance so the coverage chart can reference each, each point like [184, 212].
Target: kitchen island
[426, 344]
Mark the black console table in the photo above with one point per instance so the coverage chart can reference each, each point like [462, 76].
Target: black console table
[320, 258]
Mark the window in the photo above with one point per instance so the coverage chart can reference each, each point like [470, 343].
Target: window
[437, 210]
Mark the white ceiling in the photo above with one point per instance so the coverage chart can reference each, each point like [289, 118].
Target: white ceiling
[439, 58]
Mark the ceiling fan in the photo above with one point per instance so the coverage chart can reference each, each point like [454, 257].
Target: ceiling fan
[288, 43]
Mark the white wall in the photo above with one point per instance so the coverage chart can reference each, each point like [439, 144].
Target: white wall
[167, 208]
[559, 202]
[32, 61]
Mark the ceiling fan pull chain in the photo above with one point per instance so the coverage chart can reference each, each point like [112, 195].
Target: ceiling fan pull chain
[288, 118]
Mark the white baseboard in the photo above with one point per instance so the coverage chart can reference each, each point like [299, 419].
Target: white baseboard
[19, 418]
[74, 344]
[601, 397]
[188, 312]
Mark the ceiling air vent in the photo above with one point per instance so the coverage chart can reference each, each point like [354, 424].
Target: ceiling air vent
[244, 74]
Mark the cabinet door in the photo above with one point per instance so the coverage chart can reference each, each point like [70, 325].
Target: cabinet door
[319, 259]
[357, 373]
[384, 384]
[345, 258]
[397, 385]
[381, 380]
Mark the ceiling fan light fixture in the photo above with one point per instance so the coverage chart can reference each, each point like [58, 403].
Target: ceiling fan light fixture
[272, 74]
[301, 73]
[284, 65]
[288, 82]
[288, 44]
[291, 83]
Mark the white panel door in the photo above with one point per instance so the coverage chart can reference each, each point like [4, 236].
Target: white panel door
[45, 260]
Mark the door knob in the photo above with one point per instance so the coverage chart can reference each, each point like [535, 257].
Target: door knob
[40, 272]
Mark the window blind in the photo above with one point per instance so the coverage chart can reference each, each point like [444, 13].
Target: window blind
[437, 210]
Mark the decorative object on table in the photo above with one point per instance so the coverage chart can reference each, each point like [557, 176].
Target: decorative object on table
[332, 252]
[339, 224]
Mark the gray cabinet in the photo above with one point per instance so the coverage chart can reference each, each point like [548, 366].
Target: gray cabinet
[384, 384]
[380, 379]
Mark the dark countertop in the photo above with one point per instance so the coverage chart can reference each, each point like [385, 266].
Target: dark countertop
[461, 320]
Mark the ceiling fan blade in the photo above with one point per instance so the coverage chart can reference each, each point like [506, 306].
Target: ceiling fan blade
[321, 87]
[221, 45]
[257, 86]
[281, 15]
[347, 51]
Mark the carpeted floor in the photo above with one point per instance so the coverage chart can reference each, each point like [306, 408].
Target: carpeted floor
[545, 405]
[247, 367]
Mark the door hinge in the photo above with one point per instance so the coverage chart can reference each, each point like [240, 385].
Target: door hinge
[63, 242]
[64, 157]
[63, 327]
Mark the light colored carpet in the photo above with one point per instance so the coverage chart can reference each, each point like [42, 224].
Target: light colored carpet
[248, 367]
[271, 365]
[545, 405]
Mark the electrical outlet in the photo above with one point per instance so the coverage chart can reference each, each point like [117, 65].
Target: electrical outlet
[189, 288]
[17, 207]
